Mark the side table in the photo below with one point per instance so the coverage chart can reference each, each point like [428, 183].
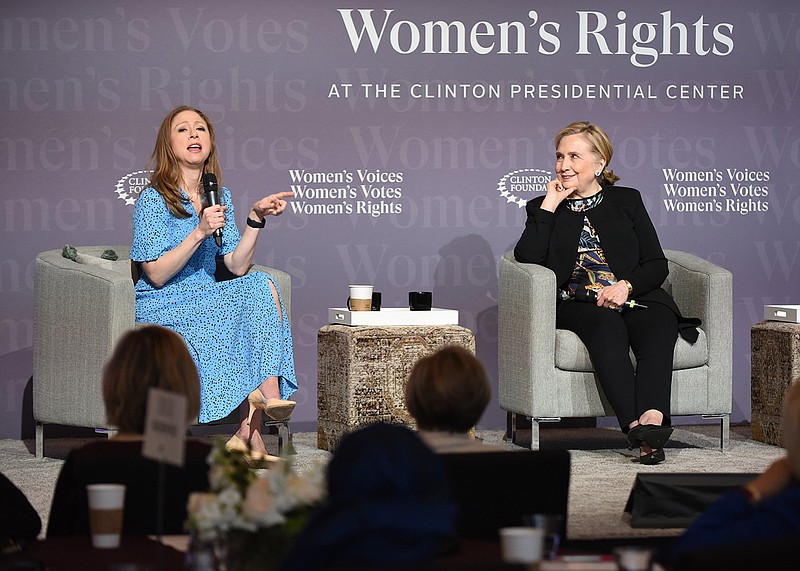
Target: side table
[774, 365]
[362, 373]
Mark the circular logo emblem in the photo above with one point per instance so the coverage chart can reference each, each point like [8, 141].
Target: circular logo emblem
[522, 185]
[130, 185]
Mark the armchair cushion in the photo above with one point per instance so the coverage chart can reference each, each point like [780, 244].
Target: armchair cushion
[571, 353]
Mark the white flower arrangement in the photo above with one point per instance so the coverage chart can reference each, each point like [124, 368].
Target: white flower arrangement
[244, 505]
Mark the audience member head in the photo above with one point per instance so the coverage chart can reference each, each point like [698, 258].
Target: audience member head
[384, 461]
[388, 503]
[790, 427]
[448, 390]
[151, 356]
[598, 142]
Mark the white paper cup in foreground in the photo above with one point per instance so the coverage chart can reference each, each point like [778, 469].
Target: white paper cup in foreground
[106, 502]
[360, 298]
[521, 544]
[634, 558]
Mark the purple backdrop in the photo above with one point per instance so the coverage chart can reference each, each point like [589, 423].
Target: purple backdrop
[446, 109]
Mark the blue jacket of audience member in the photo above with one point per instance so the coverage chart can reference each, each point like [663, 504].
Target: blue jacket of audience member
[733, 520]
[388, 503]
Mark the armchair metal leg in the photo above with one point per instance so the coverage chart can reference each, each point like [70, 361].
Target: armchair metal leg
[534, 434]
[535, 429]
[284, 435]
[39, 439]
[511, 427]
[724, 429]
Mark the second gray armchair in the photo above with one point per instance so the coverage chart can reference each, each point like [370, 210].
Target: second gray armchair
[546, 374]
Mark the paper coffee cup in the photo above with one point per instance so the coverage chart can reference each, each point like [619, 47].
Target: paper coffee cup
[521, 544]
[633, 558]
[106, 502]
[360, 298]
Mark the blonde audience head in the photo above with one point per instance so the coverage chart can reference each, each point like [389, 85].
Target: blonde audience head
[448, 390]
[151, 356]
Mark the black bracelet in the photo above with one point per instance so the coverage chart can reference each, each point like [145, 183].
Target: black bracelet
[253, 224]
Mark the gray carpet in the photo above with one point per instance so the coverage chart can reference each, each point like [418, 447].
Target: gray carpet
[601, 477]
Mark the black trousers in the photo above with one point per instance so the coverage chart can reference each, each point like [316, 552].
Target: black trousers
[608, 335]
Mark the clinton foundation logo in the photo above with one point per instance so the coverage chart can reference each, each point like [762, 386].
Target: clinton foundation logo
[130, 185]
[518, 187]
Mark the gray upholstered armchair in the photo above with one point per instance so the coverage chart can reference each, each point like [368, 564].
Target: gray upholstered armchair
[545, 373]
[81, 308]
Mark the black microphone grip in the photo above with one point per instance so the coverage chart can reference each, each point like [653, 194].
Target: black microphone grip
[211, 188]
[590, 296]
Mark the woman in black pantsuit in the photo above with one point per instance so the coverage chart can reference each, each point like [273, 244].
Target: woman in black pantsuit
[600, 242]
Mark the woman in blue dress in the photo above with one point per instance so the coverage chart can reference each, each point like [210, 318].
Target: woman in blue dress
[236, 330]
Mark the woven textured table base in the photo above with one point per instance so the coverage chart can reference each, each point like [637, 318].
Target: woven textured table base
[775, 364]
[362, 373]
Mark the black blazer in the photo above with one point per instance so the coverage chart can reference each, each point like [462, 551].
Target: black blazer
[627, 236]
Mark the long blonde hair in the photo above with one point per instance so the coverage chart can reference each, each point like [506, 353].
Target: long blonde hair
[166, 177]
[598, 142]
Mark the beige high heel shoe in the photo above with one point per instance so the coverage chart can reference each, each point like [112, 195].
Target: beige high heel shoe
[254, 459]
[276, 409]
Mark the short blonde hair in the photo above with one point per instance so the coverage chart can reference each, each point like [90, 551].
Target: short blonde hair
[151, 356]
[598, 142]
[448, 390]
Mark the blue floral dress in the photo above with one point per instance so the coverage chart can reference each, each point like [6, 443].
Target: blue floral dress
[232, 328]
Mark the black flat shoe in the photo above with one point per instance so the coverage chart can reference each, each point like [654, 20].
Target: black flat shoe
[651, 435]
[655, 457]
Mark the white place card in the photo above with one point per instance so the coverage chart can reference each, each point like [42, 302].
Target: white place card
[165, 427]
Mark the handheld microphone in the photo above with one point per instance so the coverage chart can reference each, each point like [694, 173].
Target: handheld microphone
[590, 295]
[211, 188]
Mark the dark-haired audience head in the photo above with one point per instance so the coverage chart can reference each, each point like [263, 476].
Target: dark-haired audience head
[150, 356]
[448, 390]
[384, 461]
[388, 503]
